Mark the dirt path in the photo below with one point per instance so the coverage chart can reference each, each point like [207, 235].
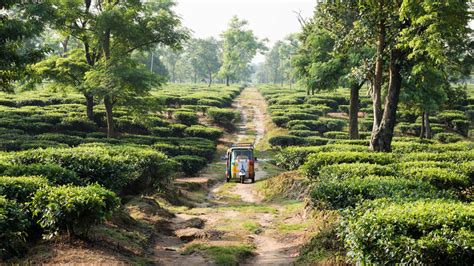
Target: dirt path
[233, 213]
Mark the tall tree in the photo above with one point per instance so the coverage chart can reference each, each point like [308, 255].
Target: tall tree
[332, 55]
[110, 31]
[240, 46]
[19, 22]
[204, 57]
[418, 33]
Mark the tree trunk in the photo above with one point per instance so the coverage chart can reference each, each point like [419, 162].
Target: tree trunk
[90, 106]
[422, 131]
[65, 43]
[382, 138]
[377, 88]
[227, 81]
[210, 79]
[110, 118]
[427, 125]
[354, 111]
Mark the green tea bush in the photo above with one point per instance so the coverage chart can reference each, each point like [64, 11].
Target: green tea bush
[187, 118]
[449, 156]
[35, 144]
[61, 138]
[316, 141]
[348, 170]
[316, 161]
[301, 116]
[154, 121]
[121, 169]
[21, 188]
[203, 132]
[51, 207]
[280, 121]
[303, 133]
[77, 124]
[286, 140]
[440, 177]
[340, 194]
[462, 126]
[190, 165]
[210, 102]
[177, 130]
[292, 158]
[336, 135]
[161, 131]
[321, 101]
[448, 116]
[433, 232]
[14, 225]
[55, 174]
[222, 116]
[130, 125]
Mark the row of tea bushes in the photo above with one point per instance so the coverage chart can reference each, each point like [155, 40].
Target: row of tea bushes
[30, 208]
[322, 118]
[412, 206]
[59, 173]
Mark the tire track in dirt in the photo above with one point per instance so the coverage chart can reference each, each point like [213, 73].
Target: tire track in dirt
[269, 250]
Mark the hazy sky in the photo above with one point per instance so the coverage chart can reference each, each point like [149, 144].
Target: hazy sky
[272, 19]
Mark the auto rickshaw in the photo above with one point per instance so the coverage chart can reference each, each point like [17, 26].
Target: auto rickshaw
[240, 162]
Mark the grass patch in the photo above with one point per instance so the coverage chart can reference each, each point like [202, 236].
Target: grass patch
[252, 227]
[249, 208]
[290, 228]
[222, 255]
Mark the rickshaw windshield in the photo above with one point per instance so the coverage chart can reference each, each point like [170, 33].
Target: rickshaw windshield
[242, 154]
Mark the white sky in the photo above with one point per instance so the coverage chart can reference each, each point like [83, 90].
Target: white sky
[272, 19]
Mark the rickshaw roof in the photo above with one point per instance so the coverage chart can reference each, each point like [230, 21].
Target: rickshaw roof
[241, 146]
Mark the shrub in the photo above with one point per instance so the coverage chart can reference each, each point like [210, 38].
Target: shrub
[462, 126]
[51, 207]
[280, 121]
[20, 188]
[120, 169]
[222, 116]
[321, 101]
[293, 157]
[77, 124]
[440, 177]
[177, 130]
[366, 124]
[54, 173]
[336, 135]
[162, 131]
[316, 161]
[316, 141]
[190, 165]
[187, 118]
[203, 132]
[62, 138]
[210, 102]
[435, 232]
[14, 225]
[286, 140]
[348, 170]
[340, 194]
[449, 156]
[303, 133]
[168, 149]
[301, 116]
[448, 116]
[130, 125]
